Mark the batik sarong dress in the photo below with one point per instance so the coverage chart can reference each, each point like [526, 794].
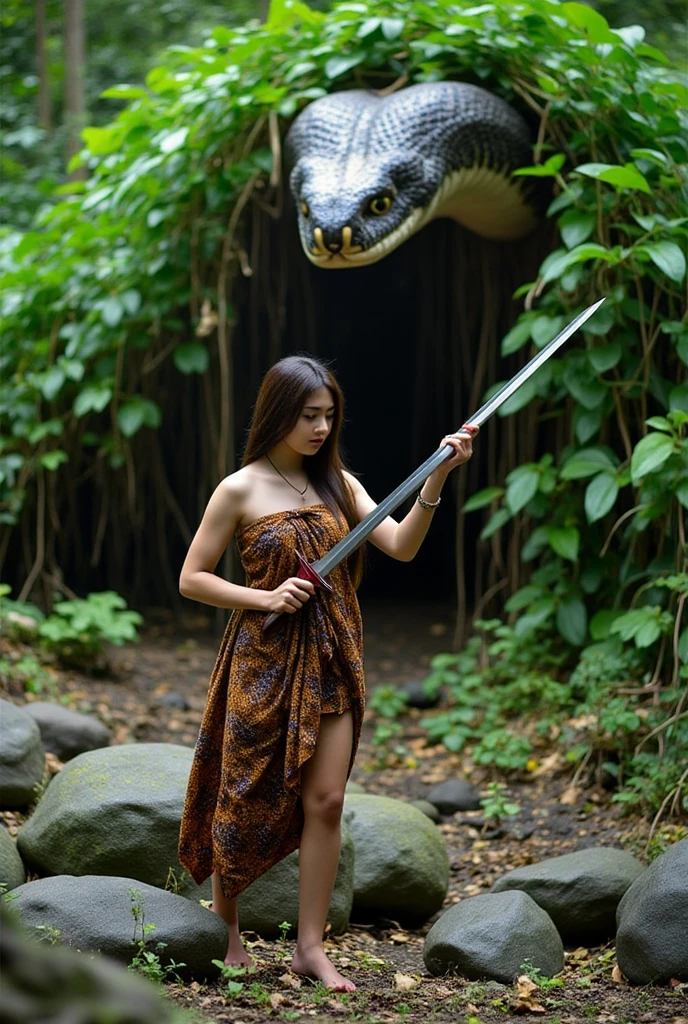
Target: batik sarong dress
[243, 810]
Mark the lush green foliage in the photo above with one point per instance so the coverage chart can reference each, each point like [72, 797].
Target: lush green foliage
[602, 715]
[76, 631]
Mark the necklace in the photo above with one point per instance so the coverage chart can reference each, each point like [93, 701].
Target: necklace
[293, 486]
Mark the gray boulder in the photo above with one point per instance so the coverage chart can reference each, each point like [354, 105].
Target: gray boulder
[401, 867]
[454, 795]
[354, 787]
[12, 871]
[50, 983]
[94, 912]
[114, 811]
[492, 936]
[22, 758]
[274, 896]
[416, 697]
[580, 891]
[652, 940]
[428, 809]
[67, 733]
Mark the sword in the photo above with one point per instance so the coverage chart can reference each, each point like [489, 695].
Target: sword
[315, 571]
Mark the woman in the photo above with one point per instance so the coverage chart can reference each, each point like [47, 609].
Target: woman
[284, 710]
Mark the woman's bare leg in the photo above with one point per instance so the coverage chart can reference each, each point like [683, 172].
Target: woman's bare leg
[227, 909]
[323, 780]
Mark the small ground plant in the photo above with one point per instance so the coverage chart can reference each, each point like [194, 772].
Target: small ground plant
[147, 961]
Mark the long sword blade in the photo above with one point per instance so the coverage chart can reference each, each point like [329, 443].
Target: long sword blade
[360, 532]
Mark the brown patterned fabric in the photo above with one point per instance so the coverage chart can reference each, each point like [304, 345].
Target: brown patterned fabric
[243, 810]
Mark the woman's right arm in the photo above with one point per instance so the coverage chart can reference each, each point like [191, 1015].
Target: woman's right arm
[198, 580]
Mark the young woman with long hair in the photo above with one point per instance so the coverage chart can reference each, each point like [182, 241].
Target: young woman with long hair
[285, 706]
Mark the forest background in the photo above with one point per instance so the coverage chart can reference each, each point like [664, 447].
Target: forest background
[595, 635]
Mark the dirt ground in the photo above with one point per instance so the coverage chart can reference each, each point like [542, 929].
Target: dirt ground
[382, 958]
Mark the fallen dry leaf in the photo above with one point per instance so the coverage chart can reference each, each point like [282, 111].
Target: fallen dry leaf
[570, 796]
[523, 999]
[399, 936]
[617, 975]
[404, 982]
[336, 1005]
[290, 980]
[275, 999]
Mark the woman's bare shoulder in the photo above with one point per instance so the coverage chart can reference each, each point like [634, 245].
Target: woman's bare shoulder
[236, 487]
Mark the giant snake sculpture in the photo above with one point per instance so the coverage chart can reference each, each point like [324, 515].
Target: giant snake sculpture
[370, 170]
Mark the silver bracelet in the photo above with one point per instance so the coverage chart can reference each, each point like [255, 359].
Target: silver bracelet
[427, 504]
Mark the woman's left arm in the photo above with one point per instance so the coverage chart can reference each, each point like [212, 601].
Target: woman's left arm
[402, 540]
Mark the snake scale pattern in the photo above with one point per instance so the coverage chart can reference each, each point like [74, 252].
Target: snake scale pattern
[368, 170]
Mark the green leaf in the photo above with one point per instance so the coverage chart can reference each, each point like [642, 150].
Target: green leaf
[627, 176]
[136, 413]
[547, 170]
[572, 621]
[552, 269]
[587, 462]
[678, 398]
[535, 544]
[497, 521]
[650, 154]
[601, 623]
[522, 487]
[191, 358]
[392, 28]
[659, 423]
[545, 328]
[170, 142]
[587, 423]
[93, 398]
[605, 357]
[522, 598]
[585, 388]
[51, 460]
[337, 66]
[483, 498]
[682, 491]
[591, 22]
[600, 495]
[52, 382]
[668, 257]
[683, 645]
[649, 454]
[576, 226]
[564, 541]
[112, 311]
[517, 337]
[538, 613]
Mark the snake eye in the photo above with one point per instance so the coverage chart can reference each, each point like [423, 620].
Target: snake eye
[304, 208]
[380, 205]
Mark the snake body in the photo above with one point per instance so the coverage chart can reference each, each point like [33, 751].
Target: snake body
[368, 171]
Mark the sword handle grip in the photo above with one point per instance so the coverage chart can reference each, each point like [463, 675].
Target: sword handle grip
[306, 572]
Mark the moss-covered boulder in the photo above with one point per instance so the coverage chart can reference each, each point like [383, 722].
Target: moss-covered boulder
[96, 912]
[12, 871]
[491, 936]
[580, 891]
[22, 758]
[114, 811]
[401, 866]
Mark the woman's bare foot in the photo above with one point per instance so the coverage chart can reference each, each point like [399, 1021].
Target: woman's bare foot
[315, 963]
[236, 954]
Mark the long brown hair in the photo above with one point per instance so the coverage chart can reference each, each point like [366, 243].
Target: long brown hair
[280, 402]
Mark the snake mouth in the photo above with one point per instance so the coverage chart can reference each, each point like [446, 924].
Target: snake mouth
[348, 255]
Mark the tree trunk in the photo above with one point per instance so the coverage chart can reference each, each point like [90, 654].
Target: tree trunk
[75, 103]
[44, 119]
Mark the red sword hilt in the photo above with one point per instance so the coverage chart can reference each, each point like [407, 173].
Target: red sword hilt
[306, 572]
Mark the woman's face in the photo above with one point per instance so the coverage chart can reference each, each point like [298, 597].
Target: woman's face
[314, 423]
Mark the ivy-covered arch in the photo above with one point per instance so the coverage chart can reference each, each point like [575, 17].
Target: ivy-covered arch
[125, 362]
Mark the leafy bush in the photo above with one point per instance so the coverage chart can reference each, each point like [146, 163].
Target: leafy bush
[77, 630]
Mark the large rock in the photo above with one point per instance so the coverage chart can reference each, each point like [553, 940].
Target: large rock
[652, 940]
[454, 795]
[67, 733]
[274, 896]
[492, 936]
[113, 811]
[43, 982]
[401, 867]
[95, 912]
[580, 891]
[22, 758]
[12, 871]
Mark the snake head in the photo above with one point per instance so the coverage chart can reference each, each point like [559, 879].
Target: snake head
[355, 211]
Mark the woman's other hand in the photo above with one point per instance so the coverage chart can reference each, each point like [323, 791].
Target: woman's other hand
[290, 596]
